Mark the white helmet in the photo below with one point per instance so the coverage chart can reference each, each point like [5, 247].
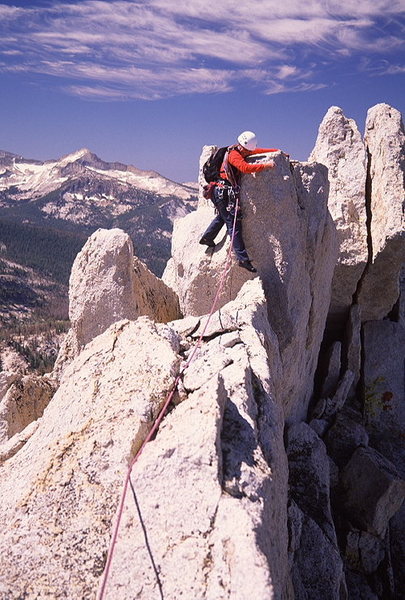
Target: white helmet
[248, 140]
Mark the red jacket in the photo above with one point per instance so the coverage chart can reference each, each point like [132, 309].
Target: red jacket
[239, 162]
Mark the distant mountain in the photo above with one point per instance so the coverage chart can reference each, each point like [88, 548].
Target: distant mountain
[49, 208]
[32, 179]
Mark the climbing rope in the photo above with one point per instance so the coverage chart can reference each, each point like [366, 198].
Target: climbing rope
[161, 414]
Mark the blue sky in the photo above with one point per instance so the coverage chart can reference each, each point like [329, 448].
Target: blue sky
[150, 82]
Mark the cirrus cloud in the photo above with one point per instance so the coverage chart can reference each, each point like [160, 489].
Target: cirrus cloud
[160, 48]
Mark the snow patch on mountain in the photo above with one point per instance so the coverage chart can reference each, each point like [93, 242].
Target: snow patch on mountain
[150, 182]
[72, 157]
[79, 209]
[31, 179]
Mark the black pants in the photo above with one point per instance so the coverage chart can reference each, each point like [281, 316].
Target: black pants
[224, 202]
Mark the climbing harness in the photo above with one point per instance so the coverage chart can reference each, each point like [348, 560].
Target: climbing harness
[161, 414]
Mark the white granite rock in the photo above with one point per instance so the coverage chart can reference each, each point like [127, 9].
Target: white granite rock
[177, 489]
[340, 148]
[302, 307]
[205, 516]
[326, 408]
[69, 349]
[217, 460]
[309, 475]
[107, 284]
[6, 380]
[249, 308]
[12, 362]
[295, 268]
[385, 141]
[317, 568]
[154, 299]
[15, 443]
[194, 272]
[223, 446]
[24, 402]
[60, 490]
[189, 519]
[336, 403]
[101, 286]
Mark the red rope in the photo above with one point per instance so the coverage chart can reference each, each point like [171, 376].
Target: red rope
[161, 414]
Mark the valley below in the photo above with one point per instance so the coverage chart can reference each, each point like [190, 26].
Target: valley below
[48, 209]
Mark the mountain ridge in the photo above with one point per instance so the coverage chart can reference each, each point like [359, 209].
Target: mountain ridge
[30, 175]
[77, 194]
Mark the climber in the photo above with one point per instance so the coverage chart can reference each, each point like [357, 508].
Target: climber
[226, 190]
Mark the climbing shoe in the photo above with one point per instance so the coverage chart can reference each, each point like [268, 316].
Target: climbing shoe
[207, 242]
[246, 264]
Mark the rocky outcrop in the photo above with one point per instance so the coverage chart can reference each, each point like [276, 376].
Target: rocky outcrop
[24, 402]
[242, 492]
[346, 434]
[6, 380]
[373, 491]
[296, 270]
[366, 201]
[11, 363]
[229, 405]
[217, 460]
[317, 568]
[154, 299]
[353, 345]
[360, 386]
[78, 456]
[195, 272]
[23, 399]
[364, 442]
[340, 148]
[108, 284]
[367, 492]
[385, 140]
[101, 287]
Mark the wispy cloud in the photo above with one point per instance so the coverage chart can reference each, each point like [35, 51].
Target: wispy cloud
[160, 48]
[393, 70]
[9, 12]
[380, 68]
